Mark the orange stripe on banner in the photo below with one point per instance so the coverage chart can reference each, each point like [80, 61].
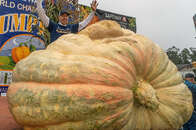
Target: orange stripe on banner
[4, 85]
[5, 70]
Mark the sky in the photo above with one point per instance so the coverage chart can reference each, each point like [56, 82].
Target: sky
[166, 22]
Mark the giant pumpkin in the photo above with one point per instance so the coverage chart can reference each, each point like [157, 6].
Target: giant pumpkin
[104, 78]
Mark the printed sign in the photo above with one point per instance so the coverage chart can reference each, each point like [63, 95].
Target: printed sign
[3, 90]
[125, 21]
[5, 80]
[18, 35]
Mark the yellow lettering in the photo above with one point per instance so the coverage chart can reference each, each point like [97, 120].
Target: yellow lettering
[22, 22]
[29, 23]
[3, 28]
[2, 19]
[19, 22]
[15, 23]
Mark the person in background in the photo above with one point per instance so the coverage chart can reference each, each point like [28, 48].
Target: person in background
[189, 81]
[62, 27]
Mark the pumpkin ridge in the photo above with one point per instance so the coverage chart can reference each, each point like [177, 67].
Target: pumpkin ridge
[172, 122]
[161, 72]
[154, 59]
[74, 67]
[164, 93]
[125, 105]
[133, 46]
[167, 83]
[140, 56]
[150, 58]
[85, 52]
[165, 75]
[161, 64]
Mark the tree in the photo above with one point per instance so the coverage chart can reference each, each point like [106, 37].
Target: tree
[174, 55]
[193, 54]
[185, 56]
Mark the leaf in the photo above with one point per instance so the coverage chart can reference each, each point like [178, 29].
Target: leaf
[23, 43]
[32, 48]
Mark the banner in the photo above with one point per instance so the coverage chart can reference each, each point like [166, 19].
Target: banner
[125, 21]
[18, 31]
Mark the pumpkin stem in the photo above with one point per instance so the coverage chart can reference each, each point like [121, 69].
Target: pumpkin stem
[146, 95]
[23, 44]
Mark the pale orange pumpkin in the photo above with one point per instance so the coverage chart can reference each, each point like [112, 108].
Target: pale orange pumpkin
[104, 78]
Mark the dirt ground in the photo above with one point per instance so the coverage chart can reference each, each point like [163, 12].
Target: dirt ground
[7, 122]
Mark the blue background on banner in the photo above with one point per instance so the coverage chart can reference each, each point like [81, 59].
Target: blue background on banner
[3, 90]
[15, 7]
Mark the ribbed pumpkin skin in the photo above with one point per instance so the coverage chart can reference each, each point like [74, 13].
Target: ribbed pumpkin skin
[104, 78]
